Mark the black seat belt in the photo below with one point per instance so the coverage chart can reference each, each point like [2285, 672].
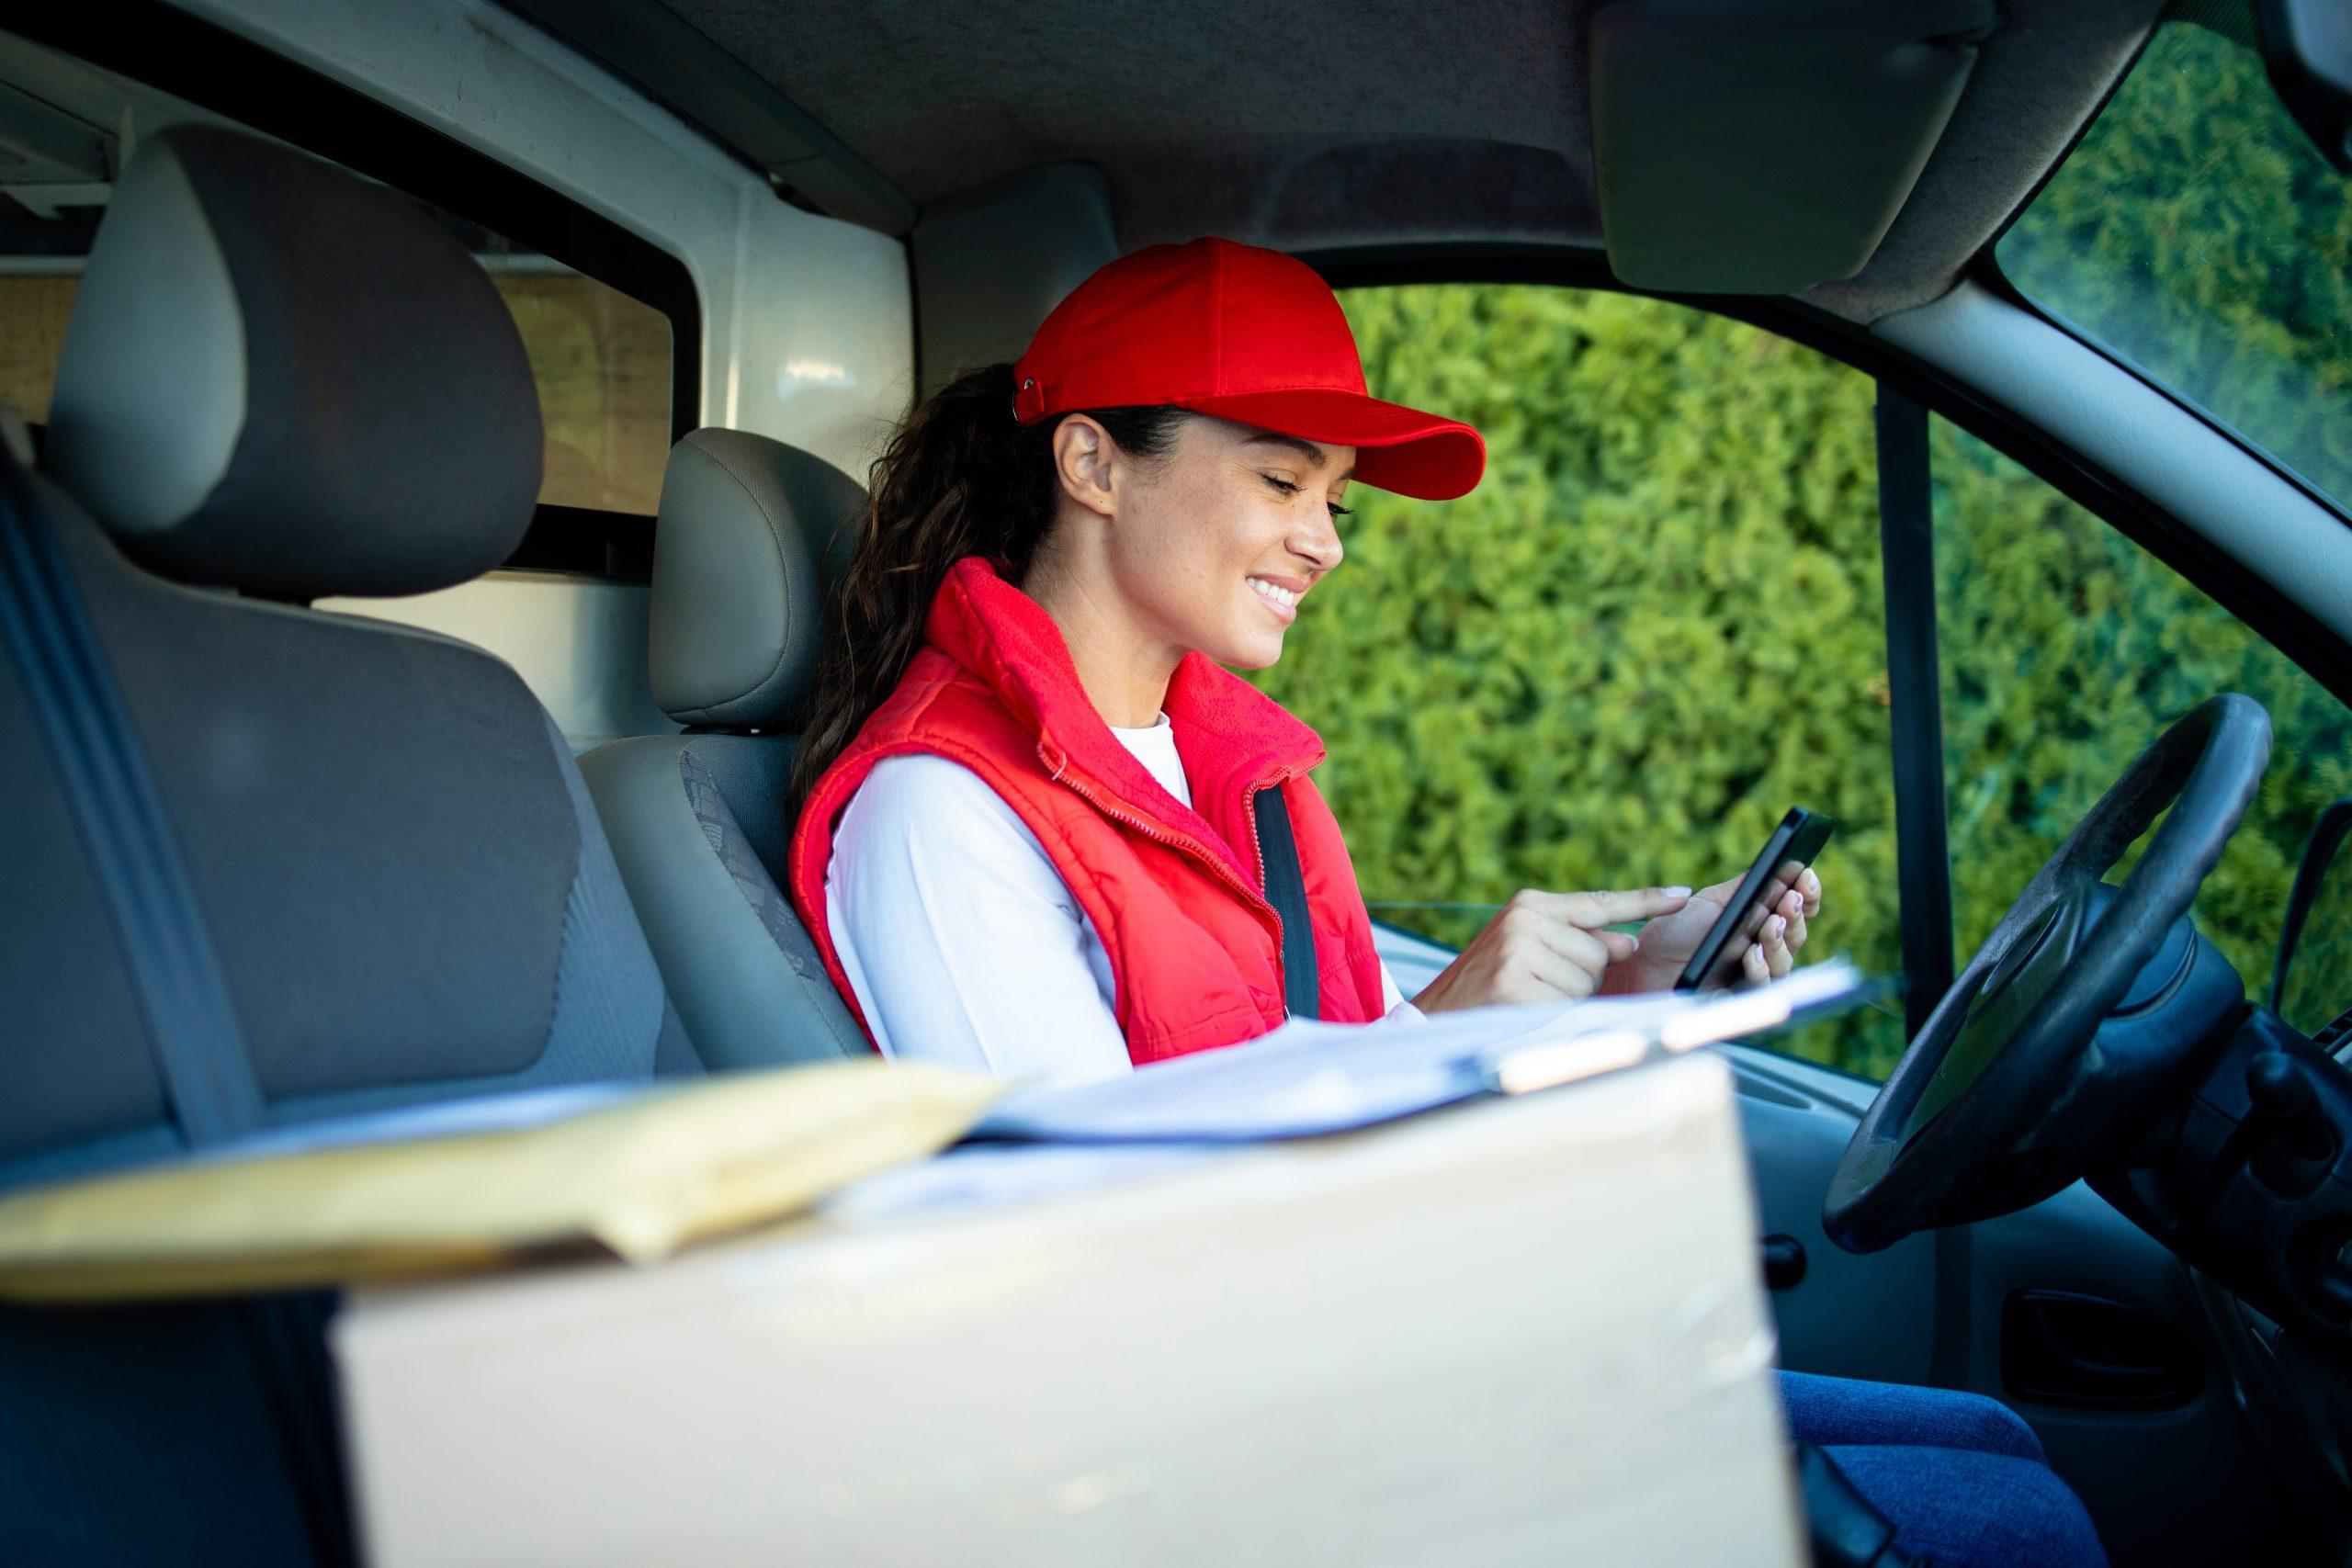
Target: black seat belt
[198, 1046]
[1286, 891]
[209, 1087]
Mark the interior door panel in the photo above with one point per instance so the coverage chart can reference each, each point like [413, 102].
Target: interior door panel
[2091, 1305]
[2169, 1477]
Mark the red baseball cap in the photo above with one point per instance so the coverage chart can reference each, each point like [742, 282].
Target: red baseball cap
[1247, 334]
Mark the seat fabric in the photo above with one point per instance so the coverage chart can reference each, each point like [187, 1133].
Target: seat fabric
[393, 859]
[697, 822]
[749, 532]
[400, 868]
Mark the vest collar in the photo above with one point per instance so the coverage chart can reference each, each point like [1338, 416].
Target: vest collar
[1233, 738]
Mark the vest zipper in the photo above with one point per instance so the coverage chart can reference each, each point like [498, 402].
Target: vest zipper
[1175, 840]
[1073, 781]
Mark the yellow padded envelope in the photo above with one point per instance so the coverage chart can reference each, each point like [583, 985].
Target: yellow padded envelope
[636, 1178]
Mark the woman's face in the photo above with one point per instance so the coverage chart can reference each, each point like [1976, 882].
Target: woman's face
[1212, 545]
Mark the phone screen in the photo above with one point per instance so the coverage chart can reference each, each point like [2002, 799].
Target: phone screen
[1792, 846]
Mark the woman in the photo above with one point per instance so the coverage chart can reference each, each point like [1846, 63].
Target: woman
[1028, 842]
[1085, 576]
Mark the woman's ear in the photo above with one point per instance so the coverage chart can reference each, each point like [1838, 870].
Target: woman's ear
[1087, 463]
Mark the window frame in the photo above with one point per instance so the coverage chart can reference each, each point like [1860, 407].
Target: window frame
[159, 46]
[1987, 274]
[1985, 269]
[2288, 627]
[2108, 496]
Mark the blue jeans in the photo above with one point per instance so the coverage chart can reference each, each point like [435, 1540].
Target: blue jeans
[1962, 1480]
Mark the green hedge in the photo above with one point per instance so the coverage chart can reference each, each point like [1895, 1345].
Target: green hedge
[2198, 233]
[1657, 623]
[1655, 626]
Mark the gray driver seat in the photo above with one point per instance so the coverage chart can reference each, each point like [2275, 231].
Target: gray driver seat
[750, 531]
[336, 863]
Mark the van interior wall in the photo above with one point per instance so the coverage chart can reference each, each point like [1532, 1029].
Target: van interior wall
[807, 329]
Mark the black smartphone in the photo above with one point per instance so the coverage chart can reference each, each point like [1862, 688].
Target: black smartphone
[1792, 847]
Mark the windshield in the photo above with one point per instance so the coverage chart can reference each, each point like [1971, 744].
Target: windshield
[2196, 234]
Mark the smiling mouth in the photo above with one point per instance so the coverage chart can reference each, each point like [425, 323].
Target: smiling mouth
[1271, 595]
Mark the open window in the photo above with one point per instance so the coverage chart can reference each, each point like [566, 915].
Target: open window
[2065, 649]
[1664, 618]
[1655, 626]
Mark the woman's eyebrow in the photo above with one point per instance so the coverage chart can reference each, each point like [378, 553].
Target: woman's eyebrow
[1306, 449]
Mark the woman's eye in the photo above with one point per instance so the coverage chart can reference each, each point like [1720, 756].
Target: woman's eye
[1288, 488]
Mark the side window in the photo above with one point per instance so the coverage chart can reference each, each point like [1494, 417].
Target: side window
[2197, 234]
[605, 363]
[602, 362]
[2318, 995]
[1655, 626]
[2067, 648]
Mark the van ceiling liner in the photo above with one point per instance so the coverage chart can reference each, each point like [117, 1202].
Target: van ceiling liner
[1764, 146]
[701, 82]
[1312, 126]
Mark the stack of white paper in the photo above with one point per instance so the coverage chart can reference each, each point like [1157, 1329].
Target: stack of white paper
[1309, 1078]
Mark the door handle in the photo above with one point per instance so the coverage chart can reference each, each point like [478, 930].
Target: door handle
[2066, 1347]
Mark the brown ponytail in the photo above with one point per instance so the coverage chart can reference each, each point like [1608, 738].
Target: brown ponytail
[960, 477]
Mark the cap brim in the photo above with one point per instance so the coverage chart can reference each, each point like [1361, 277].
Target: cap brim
[1398, 448]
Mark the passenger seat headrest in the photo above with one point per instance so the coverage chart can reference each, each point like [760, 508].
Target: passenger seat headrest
[750, 532]
[281, 378]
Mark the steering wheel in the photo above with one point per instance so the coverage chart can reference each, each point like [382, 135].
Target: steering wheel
[2013, 1088]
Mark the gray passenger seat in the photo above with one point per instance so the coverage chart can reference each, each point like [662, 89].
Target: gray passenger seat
[750, 528]
[280, 383]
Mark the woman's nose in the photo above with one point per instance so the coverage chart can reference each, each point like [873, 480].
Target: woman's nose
[1319, 545]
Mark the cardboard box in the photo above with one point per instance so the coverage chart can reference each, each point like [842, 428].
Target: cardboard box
[1524, 1331]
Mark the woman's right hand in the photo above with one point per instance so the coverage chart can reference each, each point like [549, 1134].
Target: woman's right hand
[1545, 947]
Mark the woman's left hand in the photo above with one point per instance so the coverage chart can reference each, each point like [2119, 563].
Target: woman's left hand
[1667, 942]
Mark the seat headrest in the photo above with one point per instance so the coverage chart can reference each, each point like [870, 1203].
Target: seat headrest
[750, 532]
[280, 378]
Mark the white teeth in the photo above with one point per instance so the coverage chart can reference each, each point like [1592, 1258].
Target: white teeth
[1268, 589]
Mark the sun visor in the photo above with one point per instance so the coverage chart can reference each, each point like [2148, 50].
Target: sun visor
[1763, 146]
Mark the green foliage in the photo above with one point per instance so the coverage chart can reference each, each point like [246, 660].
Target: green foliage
[1657, 623]
[1652, 629]
[2197, 234]
[2066, 650]
[2320, 982]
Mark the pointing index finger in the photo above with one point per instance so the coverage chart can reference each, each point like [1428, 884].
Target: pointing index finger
[1607, 908]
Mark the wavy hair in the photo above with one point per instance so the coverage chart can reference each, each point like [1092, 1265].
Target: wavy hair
[960, 477]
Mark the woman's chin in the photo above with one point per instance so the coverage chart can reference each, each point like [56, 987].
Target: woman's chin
[1255, 651]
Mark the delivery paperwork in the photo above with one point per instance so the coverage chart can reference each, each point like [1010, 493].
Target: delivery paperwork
[1309, 1078]
[637, 1172]
[474, 1184]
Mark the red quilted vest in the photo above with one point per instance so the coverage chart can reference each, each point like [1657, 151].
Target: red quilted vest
[1176, 895]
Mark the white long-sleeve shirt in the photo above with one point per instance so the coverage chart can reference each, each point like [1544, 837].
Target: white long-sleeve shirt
[962, 943]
